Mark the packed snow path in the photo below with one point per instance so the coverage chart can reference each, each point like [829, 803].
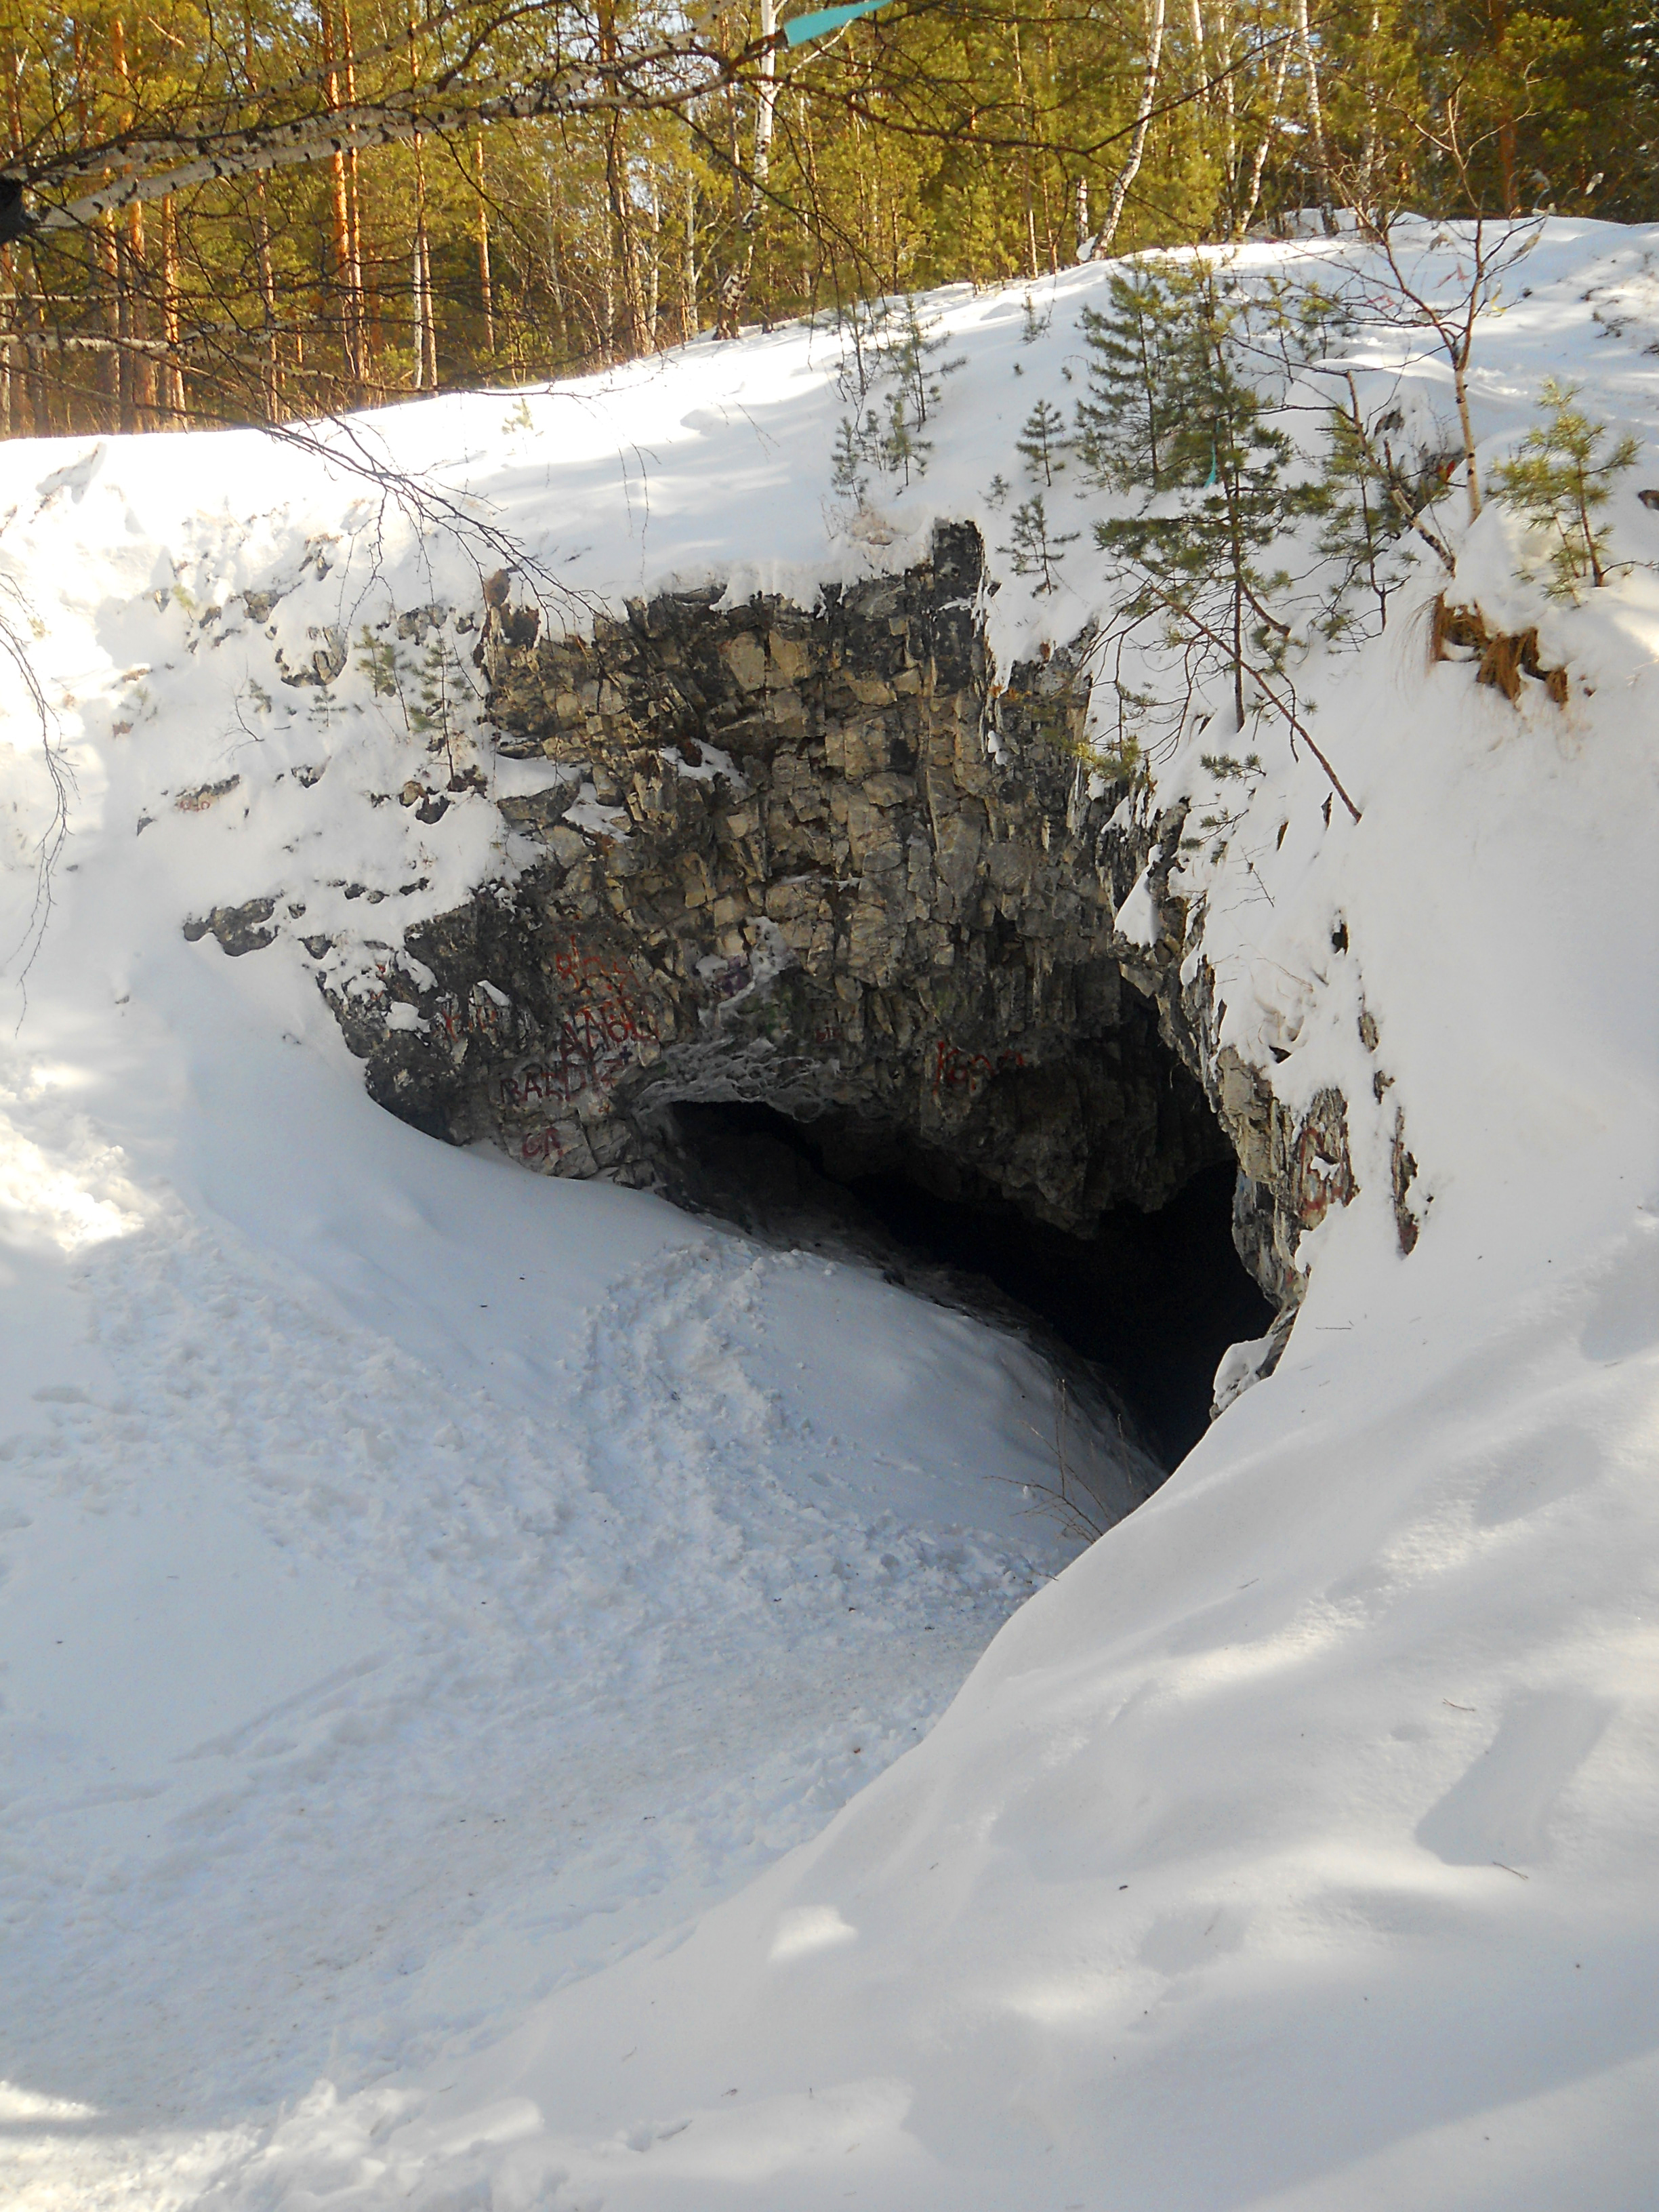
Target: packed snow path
[426, 1582]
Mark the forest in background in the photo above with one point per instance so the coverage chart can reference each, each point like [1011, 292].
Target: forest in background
[288, 208]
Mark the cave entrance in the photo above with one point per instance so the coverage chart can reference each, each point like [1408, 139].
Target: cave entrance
[1150, 1301]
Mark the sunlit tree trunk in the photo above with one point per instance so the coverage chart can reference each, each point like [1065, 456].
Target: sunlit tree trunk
[486, 290]
[138, 365]
[1131, 169]
[654, 264]
[271, 372]
[1317, 145]
[1263, 144]
[174, 404]
[1224, 45]
[688, 263]
[420, 285]
[735, 289]
[348, 275]
[617, 186]
[9, 356]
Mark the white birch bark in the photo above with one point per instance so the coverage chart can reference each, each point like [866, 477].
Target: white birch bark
[1131, 169]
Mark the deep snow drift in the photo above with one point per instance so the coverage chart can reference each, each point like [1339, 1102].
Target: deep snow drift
[429, 1586]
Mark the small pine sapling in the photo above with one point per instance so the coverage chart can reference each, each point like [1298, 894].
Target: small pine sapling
[901, 446]
[378, 659]
[850, 464]
[1041, 442]
[1195, 581]
[1126, 427]
[1197, 573]
[903, 359]
[1366, 501]
[1558, 481]
[1033, 548]
[444, 692]
[860, 360]
[997, 491]
[1036, 326]
[908, 357]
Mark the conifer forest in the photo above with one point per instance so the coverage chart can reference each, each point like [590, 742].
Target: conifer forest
[284, 207]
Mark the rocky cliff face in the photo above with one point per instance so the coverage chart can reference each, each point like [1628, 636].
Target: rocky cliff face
[819, 860]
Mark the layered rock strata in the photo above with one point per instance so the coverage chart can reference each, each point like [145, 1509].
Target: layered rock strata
[819, 860]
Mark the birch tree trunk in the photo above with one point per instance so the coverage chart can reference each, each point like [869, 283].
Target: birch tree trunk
[1321, 164]
[735, 290]
[1223, 42]
[1269, 124]
[1131, 169]
[486, 289]
[174, 406]
[689, 264]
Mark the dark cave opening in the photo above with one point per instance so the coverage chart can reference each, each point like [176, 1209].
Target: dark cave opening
[1150, 1301]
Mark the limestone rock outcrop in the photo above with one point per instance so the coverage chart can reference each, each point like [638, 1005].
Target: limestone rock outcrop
[818, 859]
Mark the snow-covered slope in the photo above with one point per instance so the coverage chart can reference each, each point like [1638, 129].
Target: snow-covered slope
[427, 1582]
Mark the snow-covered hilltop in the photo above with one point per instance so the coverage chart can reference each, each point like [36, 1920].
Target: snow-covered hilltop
[483, 1709]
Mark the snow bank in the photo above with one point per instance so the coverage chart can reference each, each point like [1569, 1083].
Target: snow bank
[1292, 1849]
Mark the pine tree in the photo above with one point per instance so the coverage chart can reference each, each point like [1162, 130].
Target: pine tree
[1367, 500]
[1126, 429]
[444, 695]
[1559, 481]
[849, 466]
[378, 658]
[1196, 575]
[1042, 440]
[901, 446]
[1033, 549]
[908, 355]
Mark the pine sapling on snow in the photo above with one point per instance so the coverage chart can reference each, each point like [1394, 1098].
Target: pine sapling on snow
[1557, 482]
[903, 358]
[1195, 571]
[1196, 585]
[1127, 426]
[908, 357]
[444, 693]
[901, 446]
[1033, 548]
[378, 659]
[1368, 501]
[1042, 441]
[853, 457]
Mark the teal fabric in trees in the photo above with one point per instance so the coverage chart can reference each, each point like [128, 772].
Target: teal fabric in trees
[822, 21]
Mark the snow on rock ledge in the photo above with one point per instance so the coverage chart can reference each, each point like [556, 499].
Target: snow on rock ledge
[1293, 1849]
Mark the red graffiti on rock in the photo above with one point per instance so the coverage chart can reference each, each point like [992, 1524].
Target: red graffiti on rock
[605, 1023]
[486, 1012]
[964, 1074]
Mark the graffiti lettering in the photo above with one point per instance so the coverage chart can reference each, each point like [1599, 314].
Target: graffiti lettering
[604, 1022]
[541, 1144]
[965, 1074]
[575, 966]
[484, 1014]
